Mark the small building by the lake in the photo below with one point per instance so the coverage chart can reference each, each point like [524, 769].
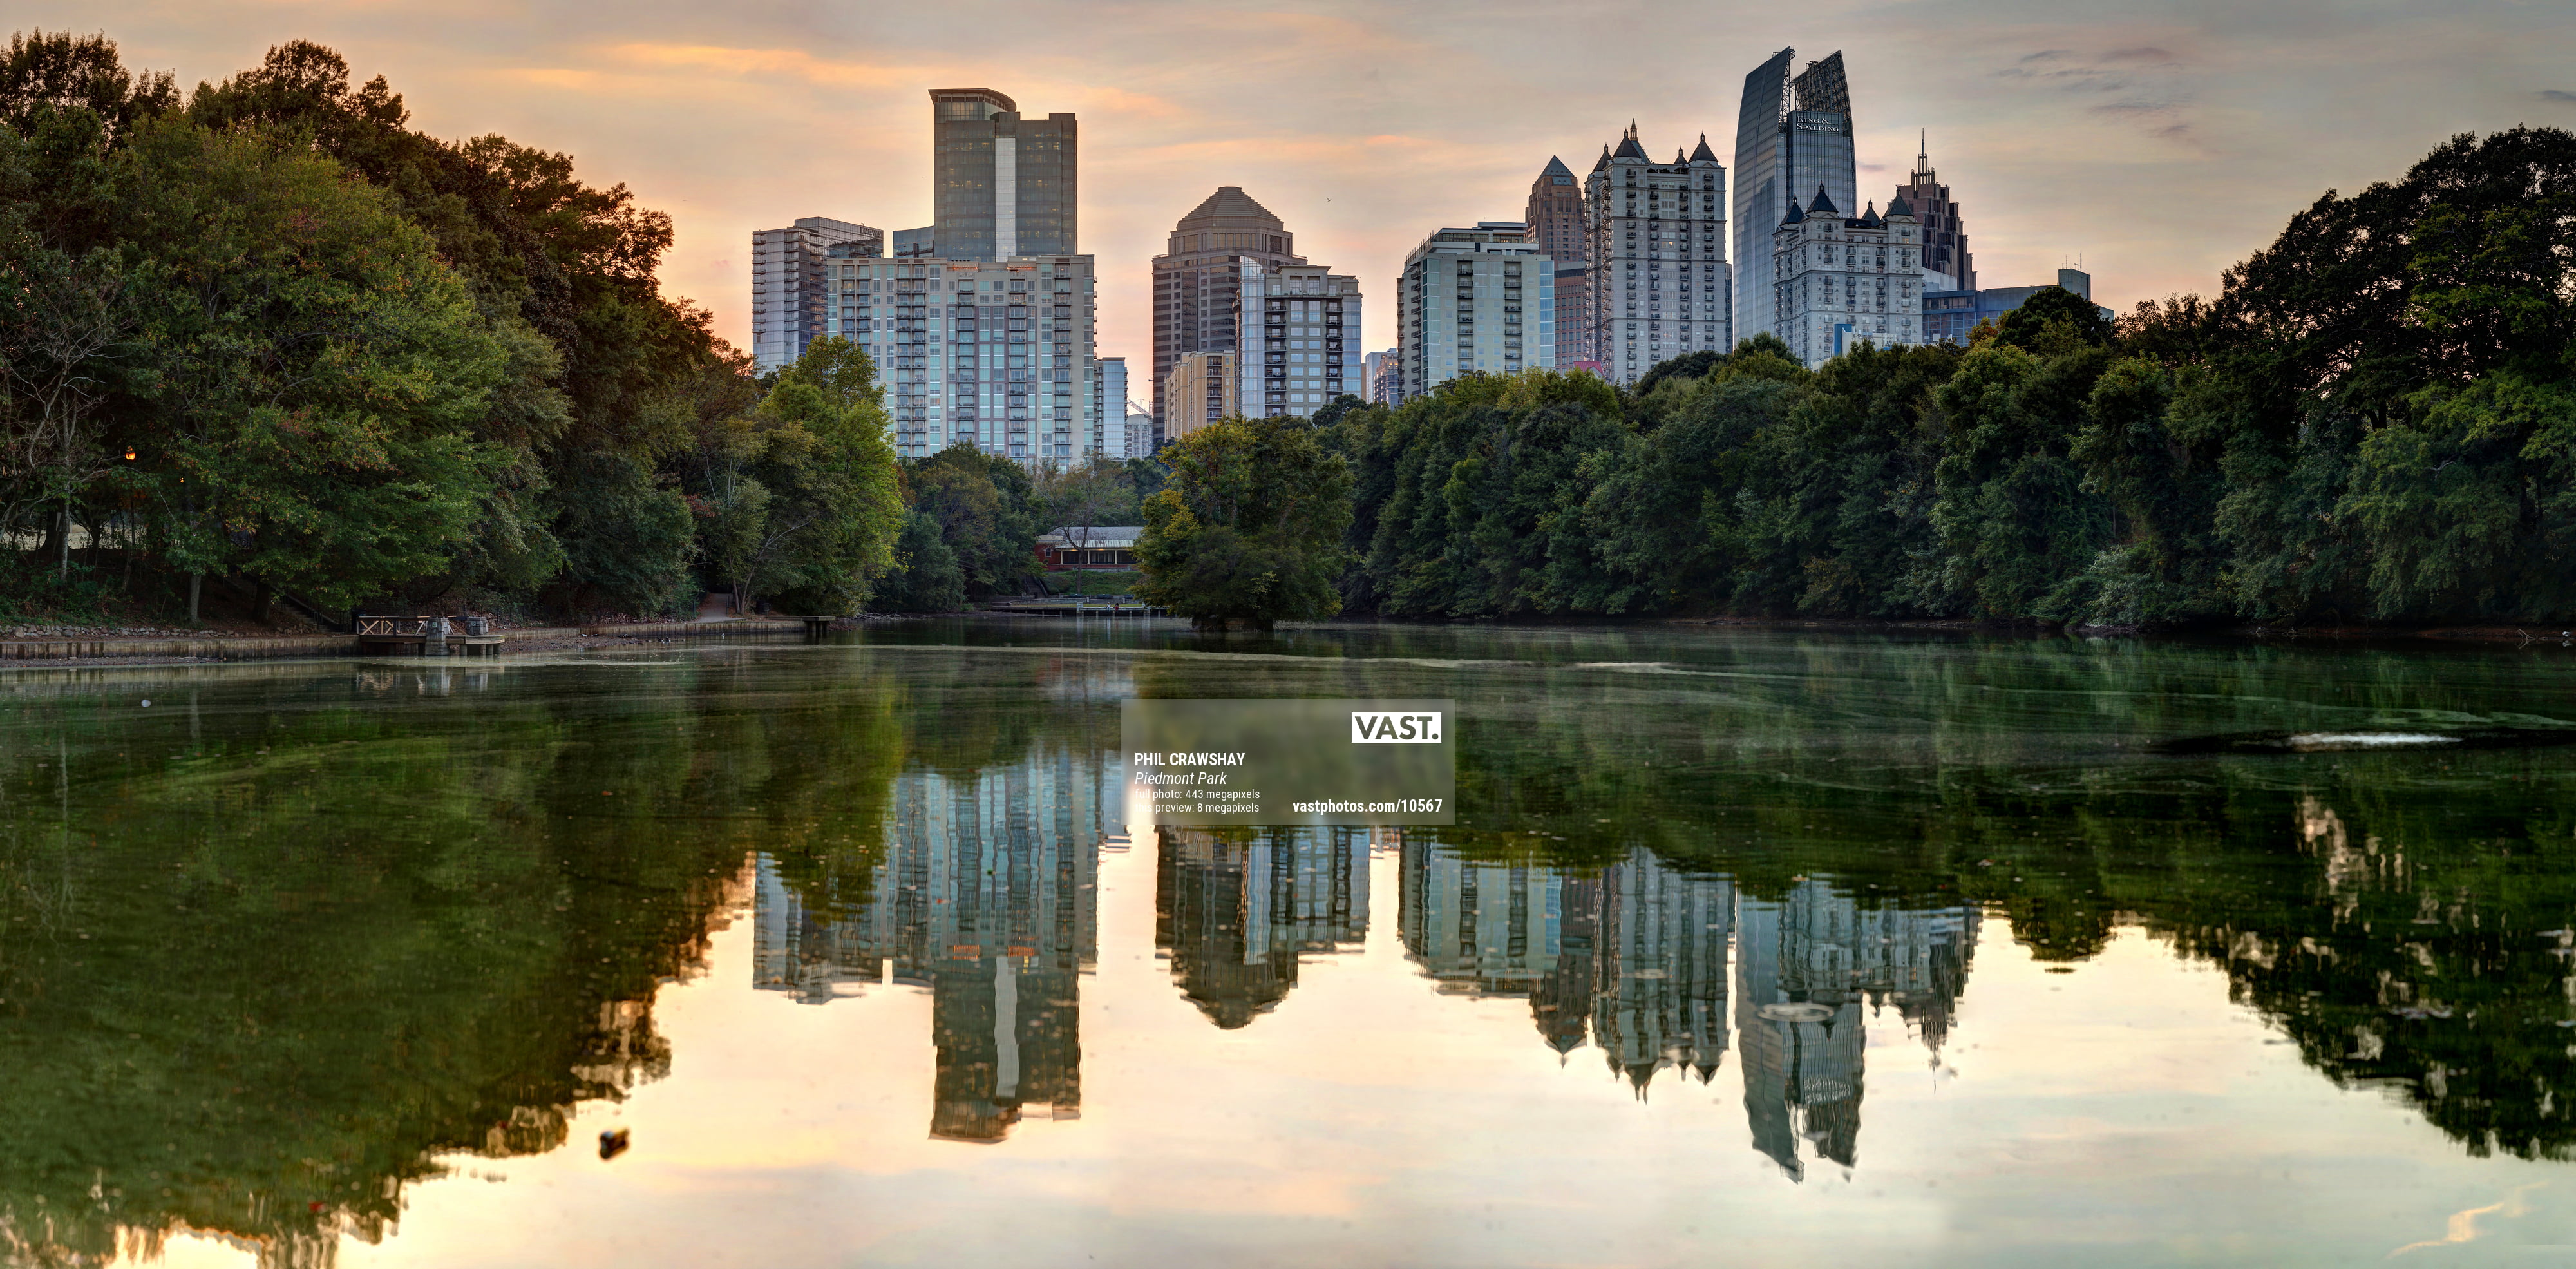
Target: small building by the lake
[1096, 546]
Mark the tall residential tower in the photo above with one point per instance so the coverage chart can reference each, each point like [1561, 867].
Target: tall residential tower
[1479, 299]
[1659, 269]
[790, 305]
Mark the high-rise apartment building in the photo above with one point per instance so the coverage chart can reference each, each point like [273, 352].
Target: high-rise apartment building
[1140, 435]
[1947, 266]
[1001, 186]
[997, 354]
[1198, 281]
[1202, 388]
[1792, 135]
[1479, 299]
[1845, 280]
[1108, 411]
[1298, 336]
[789, 295]
[1659, 266]
[1557, 224]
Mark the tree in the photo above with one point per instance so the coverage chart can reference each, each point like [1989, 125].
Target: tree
[988, 511]
[1249, 531]
[804, 498]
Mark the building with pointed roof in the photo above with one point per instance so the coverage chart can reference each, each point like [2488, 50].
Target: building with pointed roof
[1945, 234]
[1660, 281]
[1555, 219]
[1840, 281]
[1198, 281]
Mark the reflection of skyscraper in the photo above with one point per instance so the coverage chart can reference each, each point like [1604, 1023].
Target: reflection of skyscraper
[1635, 956]
[986, 896]
[1809, 962]
[1236, 908]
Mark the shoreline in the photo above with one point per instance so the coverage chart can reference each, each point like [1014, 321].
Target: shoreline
[217, 649]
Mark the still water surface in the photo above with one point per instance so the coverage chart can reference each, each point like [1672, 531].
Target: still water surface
[1749, 948]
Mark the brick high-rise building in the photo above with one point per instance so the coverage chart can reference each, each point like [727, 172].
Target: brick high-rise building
[1198, 282]
[1945, 235]
[1556, 224]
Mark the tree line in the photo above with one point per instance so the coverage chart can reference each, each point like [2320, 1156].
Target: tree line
[2374, 421]
[269, 339]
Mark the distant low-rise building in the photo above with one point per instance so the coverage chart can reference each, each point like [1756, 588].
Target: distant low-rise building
[1951, 316]
[1202, 388]
[1102, 546]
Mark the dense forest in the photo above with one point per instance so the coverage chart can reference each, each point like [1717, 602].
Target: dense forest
[2374, 421]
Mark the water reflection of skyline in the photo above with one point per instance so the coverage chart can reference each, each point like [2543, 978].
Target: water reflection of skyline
[1634, 957]
[985, 894]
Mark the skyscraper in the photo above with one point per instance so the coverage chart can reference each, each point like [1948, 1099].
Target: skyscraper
[1945, 236]
[790, 304]
[1791, 136]
[1556, 223]
[1001, 185]
[1198, 281]
[994, 354]
[1478, 299]
[1108, 410]
[1659, 269]
[1202, 388]
[1299, 338]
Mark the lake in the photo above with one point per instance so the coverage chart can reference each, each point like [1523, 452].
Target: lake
[1748, 947]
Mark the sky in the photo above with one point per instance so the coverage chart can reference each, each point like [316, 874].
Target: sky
[2154, 143]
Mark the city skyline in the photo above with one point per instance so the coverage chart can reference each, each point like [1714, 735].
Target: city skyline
[1365, 129]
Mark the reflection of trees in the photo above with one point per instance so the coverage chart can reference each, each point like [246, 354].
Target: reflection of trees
[271, 945]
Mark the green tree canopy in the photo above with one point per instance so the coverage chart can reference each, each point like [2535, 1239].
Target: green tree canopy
[1249, 530]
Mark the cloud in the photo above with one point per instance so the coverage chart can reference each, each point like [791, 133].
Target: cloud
[2046, 54]
[2147, 54]
[2556, 94]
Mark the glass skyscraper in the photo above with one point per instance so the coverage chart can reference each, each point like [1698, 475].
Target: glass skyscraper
[1793, 137]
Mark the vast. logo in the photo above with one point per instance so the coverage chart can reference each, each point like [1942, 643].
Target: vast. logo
[1394, 729]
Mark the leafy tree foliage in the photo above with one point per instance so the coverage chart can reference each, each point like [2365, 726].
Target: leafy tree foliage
[1249, 530]
[989, 515]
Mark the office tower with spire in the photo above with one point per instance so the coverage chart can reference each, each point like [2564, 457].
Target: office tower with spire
[1001, 185]
[1947, 266]
[1840, 280]
[1791, 136]
[1659, 273]
[790, 284]
[1555, 219]
[1198, 282]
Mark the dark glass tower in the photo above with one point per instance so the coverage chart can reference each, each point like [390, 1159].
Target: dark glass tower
[1001, 185]
[1792, 136]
